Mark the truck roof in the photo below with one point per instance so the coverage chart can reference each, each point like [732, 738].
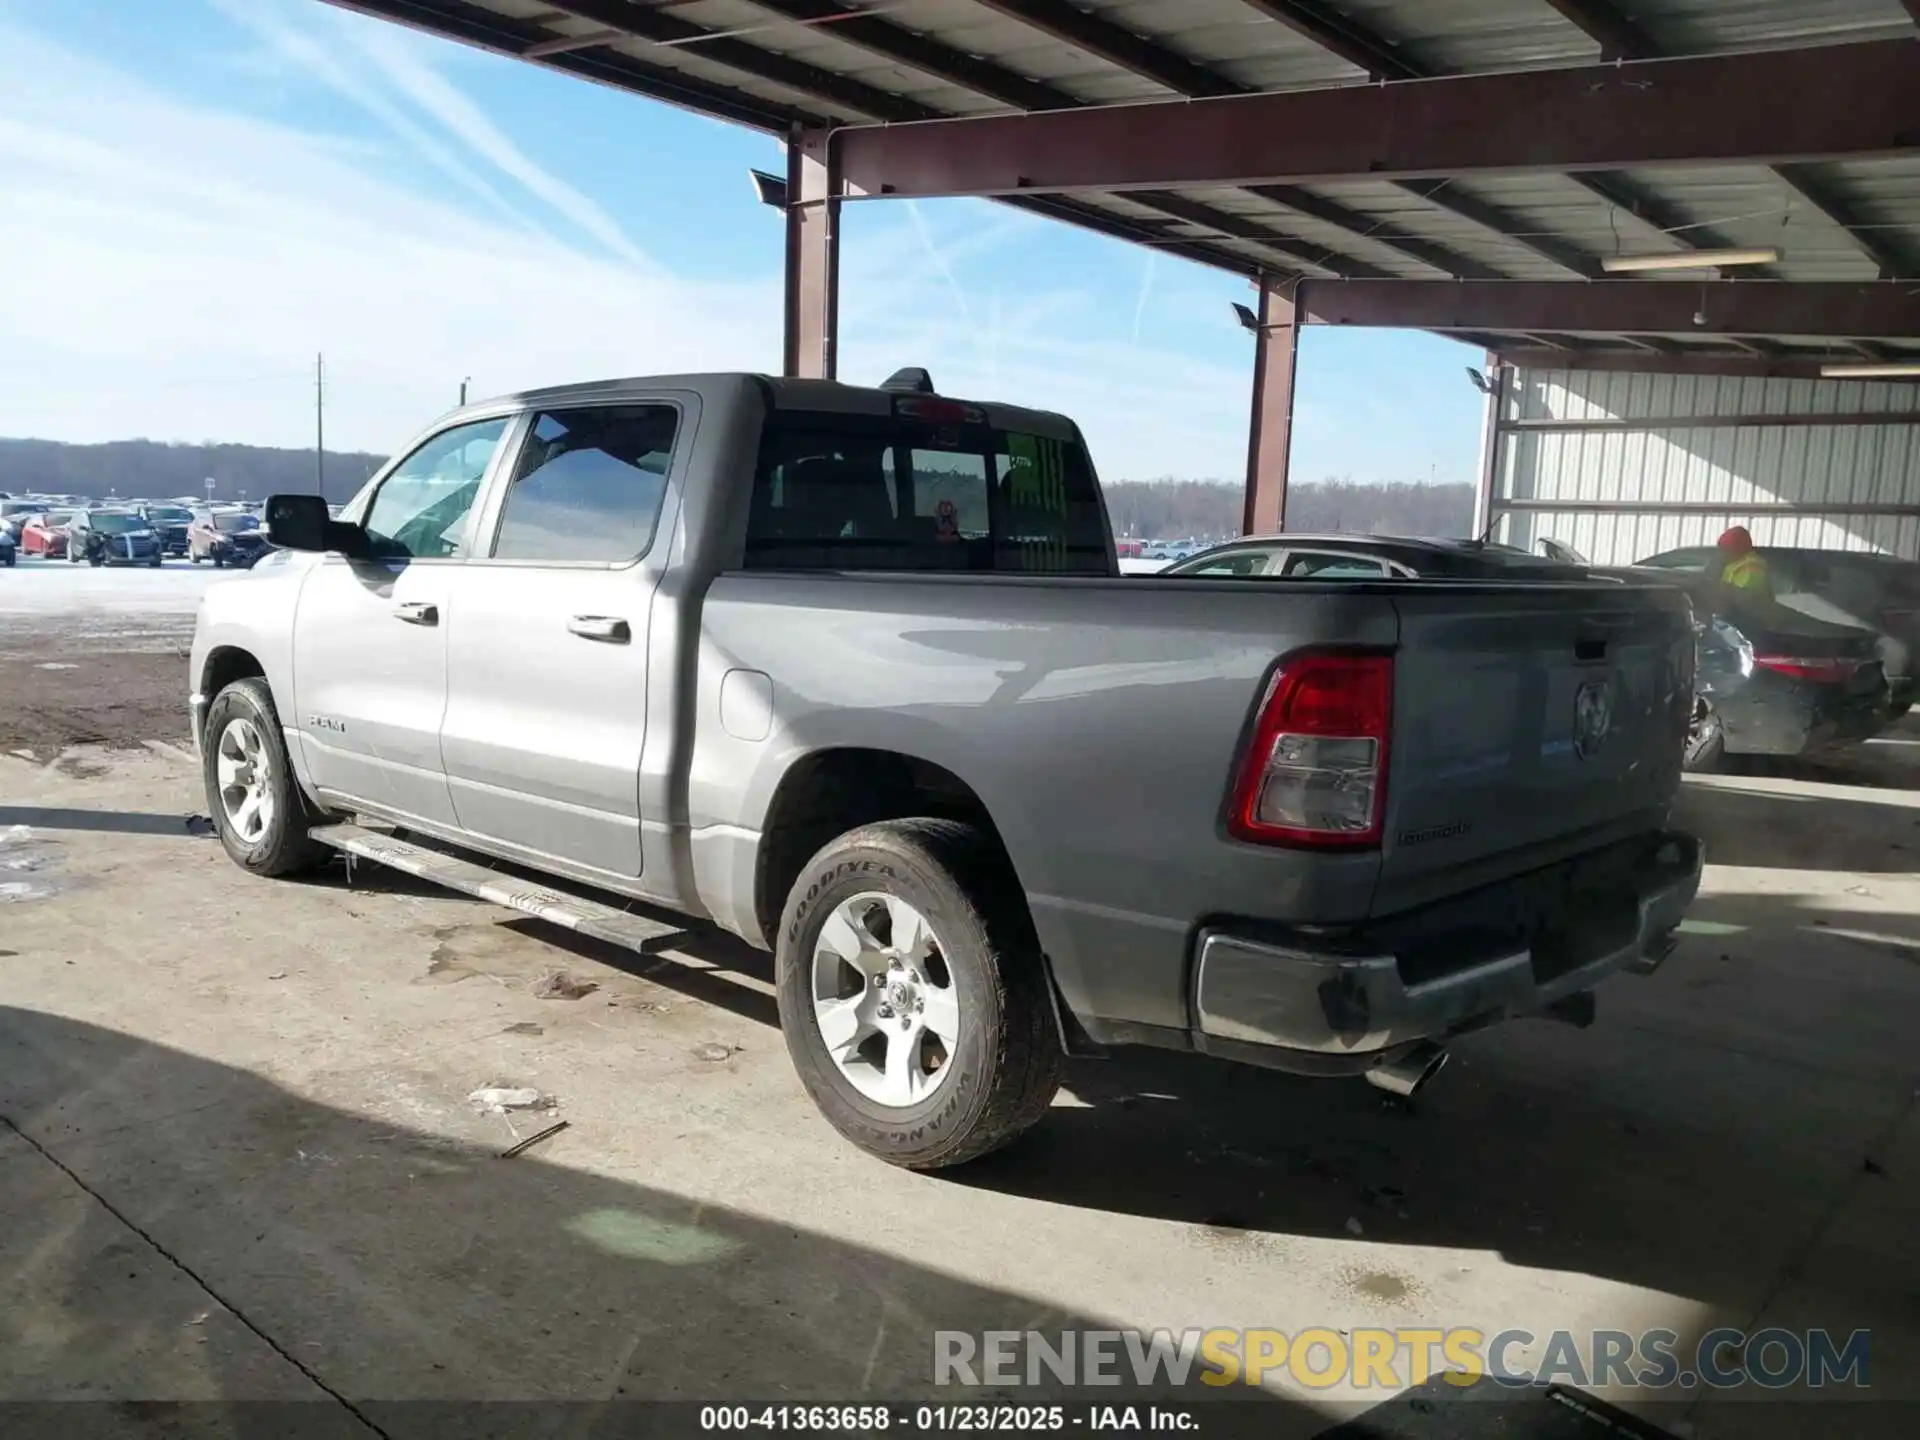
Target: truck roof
[786, 393]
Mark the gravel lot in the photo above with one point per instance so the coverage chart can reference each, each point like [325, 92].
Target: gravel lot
[96, 656]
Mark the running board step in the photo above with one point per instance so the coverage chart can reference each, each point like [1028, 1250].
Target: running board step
[557, 907]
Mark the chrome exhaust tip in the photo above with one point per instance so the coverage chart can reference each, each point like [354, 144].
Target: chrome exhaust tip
[1409, 1071]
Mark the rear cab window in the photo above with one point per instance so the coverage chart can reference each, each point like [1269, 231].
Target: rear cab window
[936, 485]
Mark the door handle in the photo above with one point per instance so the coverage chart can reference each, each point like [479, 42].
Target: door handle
[610, 628]
[418, 612]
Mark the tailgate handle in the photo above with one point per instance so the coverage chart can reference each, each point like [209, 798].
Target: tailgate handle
[1594, 649]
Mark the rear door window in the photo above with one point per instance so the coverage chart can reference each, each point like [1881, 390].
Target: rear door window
[935, 486]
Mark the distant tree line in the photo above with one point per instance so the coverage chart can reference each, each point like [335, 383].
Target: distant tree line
[151, 470]
[1150, 509]
[1179, 509]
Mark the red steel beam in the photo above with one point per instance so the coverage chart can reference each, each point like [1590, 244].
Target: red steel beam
[1811, 309]
[811, 341]
[1270, 428]
[1848, 100]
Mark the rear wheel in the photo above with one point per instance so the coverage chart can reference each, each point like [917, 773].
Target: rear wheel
[1706, 741]
[255, 801]
[912, 994]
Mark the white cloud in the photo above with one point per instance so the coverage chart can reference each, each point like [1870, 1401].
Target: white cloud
[174, 265]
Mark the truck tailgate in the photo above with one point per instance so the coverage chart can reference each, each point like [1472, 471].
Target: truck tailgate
[1529, 724]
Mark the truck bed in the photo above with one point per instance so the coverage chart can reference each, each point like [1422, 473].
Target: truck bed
[1100, 723]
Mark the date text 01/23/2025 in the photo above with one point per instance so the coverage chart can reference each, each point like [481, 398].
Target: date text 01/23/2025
[939, 1419]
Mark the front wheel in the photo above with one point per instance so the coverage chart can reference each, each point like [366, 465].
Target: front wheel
[154, 562]
[912, 994]
[255, 801]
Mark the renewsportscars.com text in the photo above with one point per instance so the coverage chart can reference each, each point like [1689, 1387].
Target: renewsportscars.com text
[1391, 1359]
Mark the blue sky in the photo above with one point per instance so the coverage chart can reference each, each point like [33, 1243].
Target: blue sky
[201, 195]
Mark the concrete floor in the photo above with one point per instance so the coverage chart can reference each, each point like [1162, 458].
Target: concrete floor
[238, 1163]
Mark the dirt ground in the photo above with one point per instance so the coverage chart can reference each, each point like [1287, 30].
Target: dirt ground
[85, 681]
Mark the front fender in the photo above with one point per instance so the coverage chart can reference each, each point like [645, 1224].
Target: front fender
[245, 625]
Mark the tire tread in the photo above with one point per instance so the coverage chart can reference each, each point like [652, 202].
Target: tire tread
[1026, 1070]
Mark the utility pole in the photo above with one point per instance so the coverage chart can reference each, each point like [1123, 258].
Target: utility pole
[320, 425]
[463, 389]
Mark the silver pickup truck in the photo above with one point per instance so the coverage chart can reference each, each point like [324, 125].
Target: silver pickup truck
[853, 674]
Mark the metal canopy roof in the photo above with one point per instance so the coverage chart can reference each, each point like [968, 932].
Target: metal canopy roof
[777, 64]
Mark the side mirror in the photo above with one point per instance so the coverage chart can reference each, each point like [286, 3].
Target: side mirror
[301, 522]
[297, 522]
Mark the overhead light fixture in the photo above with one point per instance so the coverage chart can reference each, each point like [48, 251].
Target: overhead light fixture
[1248, 320]
[769, 189]
[1686, 260]
[1873, 370]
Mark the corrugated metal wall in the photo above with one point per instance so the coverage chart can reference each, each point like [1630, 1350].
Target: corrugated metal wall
[1621, 466]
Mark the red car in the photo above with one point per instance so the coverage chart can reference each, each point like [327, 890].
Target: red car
[46, 535]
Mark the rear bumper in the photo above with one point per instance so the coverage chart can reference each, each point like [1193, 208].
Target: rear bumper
[1339, 1006]
[1800, 719]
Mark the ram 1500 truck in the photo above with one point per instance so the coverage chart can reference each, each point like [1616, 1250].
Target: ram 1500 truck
[852, 673]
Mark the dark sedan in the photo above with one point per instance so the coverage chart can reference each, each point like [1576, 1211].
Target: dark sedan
[1366, 557]
[1770, 680]
[1775, 681]
[111, 537]
[170, 524]
[226, 537]
[1843, 587]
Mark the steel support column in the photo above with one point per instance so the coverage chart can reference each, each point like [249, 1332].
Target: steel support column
[812, 338]
[1492, 436]
[1270, 427]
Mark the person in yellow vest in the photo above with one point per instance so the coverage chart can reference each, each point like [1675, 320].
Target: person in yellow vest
[1741, 565]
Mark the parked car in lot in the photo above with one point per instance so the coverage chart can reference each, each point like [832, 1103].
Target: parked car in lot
[1794, 673]
[1876, 593]
[170, 525]
[226, 537]
[1300, 556]
[853, 674]
[111, 537]
[15, 512]
[45, 534]
[7, 548]
[1775, 681]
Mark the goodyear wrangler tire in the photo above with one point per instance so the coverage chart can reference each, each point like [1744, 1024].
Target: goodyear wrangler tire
[912, 994]
[252, 795]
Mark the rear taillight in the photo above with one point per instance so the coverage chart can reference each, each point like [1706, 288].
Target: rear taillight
[1316, 772]
[1818, 671]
